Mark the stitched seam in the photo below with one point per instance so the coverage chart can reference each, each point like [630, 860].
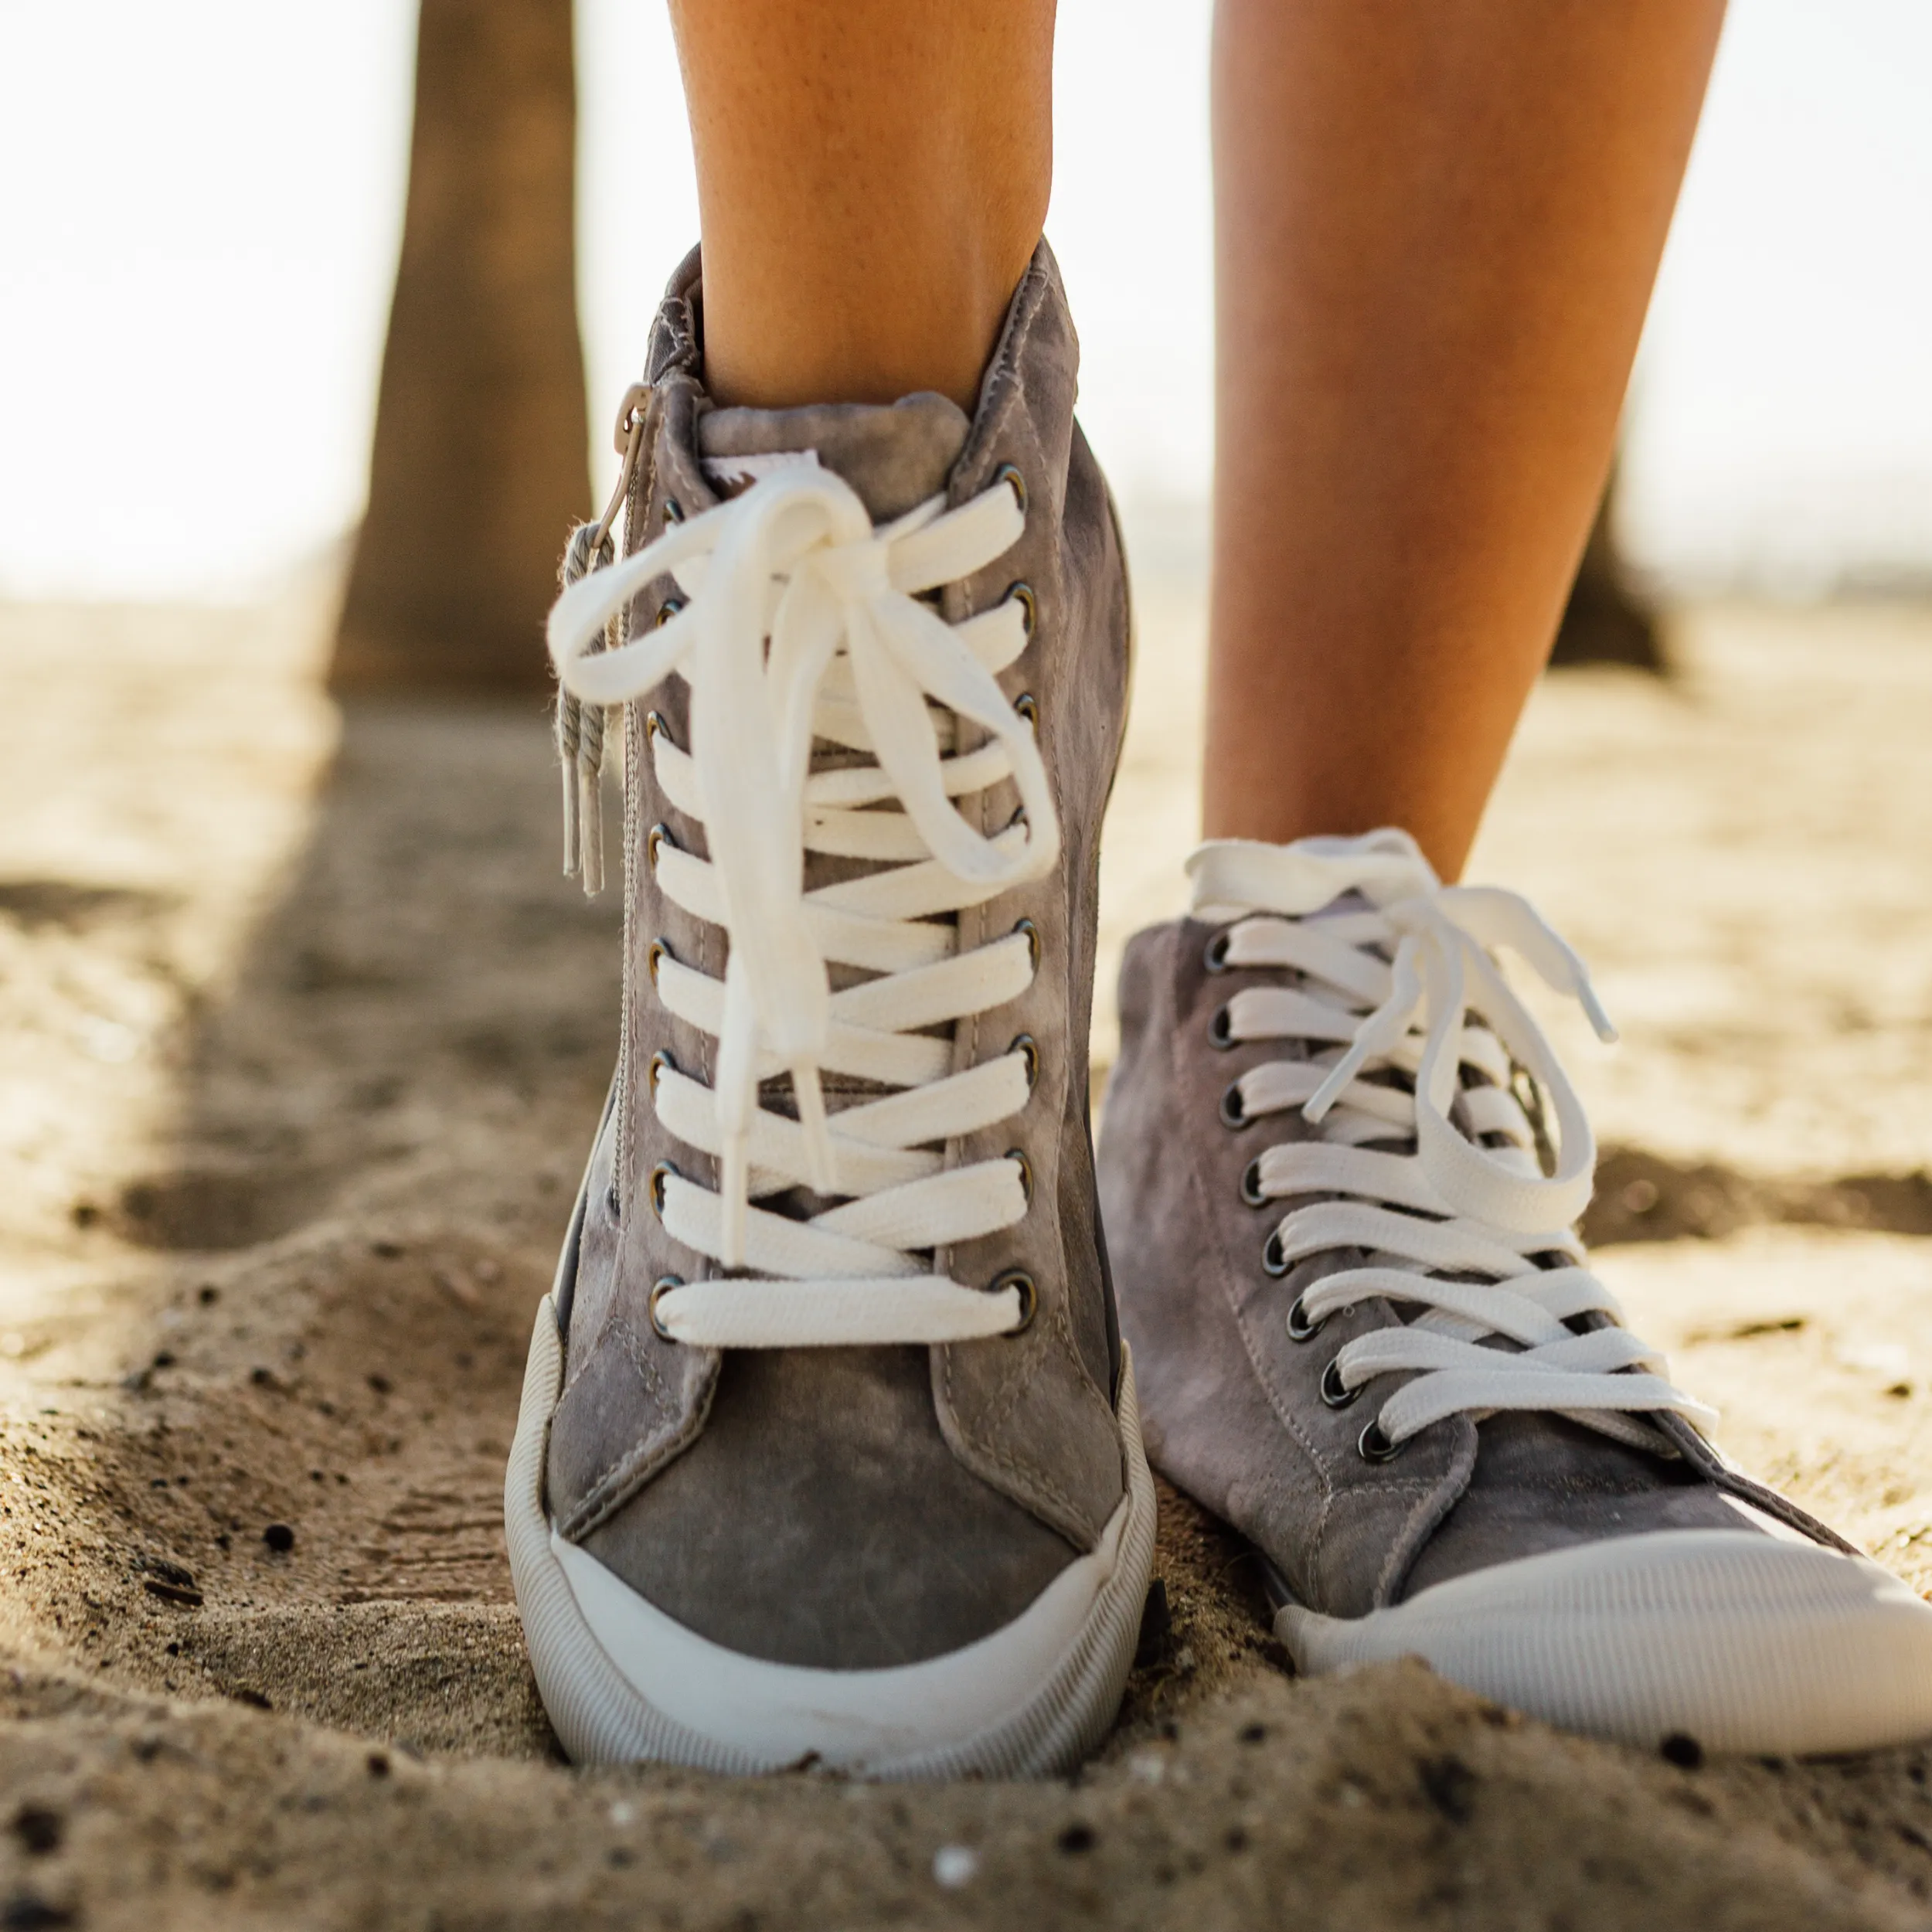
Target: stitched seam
[614, 1487]
[1033, 1480]
[619, 1477]
[587, 1358]
[640, 1359]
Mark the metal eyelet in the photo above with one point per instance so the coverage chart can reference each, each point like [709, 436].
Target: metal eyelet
[659, 835]
[1018, 1156]
[1234, 1115]
[1335, 1391]
[1031, 931]
[1026, 705]
[659, 1289]
[655, 726]
[1251, 1184]
[659, 1176]
[1026, 1043]
[1221, 1029]
[1300, 1327]
[1006, 474]
[1214, 955]
[669, 609]
[659, 953]
[661, 1063]
[673, 510]
[1373, 1446]
[1022, 593]
[1028, 1297]
[1274, 1262]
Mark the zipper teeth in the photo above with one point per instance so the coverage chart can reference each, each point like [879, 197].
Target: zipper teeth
[620, 1178]
[635, 508]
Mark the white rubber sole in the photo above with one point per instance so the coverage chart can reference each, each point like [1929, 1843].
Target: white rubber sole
[622, 1681]
[1744, 1642]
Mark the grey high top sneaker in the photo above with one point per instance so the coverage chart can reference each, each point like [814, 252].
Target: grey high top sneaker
[1367, 1336]
[828, 1447]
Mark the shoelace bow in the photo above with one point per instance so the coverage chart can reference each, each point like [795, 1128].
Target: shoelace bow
[1465, 1227]
[800, 622]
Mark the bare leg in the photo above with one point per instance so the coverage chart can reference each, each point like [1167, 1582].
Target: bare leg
[1437, 226]
[872, 180]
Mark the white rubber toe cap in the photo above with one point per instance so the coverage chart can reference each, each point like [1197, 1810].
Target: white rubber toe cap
[622, 1681]
[1744, 1642]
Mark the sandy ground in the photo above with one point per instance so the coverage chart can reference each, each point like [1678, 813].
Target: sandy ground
[301, 1042]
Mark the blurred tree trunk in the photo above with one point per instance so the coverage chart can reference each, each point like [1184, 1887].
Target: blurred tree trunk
[1605, 620]
[480, 463]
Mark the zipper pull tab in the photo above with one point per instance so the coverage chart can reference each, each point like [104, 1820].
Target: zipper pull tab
[580, 728]
[579, 739]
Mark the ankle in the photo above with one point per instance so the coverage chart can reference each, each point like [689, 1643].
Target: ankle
[871, 327]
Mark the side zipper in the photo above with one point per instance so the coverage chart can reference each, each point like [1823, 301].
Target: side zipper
[579, 727]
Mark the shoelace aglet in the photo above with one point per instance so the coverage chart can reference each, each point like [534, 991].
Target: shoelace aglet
[590, 816]
[570, 840]
[735, 1209]
[1594, 1007]
[821, 1162]
[1376, 1034]
[1316, 1110]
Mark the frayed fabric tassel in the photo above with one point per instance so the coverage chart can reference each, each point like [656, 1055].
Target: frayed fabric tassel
[580, 738]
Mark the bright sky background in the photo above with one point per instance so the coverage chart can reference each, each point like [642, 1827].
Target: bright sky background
[200, 204]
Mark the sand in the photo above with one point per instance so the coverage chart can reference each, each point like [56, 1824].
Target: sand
[301, 1042]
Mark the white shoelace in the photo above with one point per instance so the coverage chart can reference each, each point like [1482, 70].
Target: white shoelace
[1462, 1227]
[803, 622]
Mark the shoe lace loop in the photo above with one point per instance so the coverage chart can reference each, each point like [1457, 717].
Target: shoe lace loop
[803, 622]
[1396, 971]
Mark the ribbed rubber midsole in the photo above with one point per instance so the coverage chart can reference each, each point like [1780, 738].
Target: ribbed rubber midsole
[1744, 1642]
[622, 1681]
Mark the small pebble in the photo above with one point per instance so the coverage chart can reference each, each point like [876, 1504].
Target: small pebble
[28, 1912]
[39, 1829]
[280, 1537]
[456, 1286]
[1640, 1195]
[186, 1597]
[954, 1865]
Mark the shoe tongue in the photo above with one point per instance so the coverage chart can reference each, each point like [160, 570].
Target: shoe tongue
[895, 455]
